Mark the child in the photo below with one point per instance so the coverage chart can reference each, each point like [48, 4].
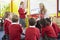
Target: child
[38, 25]
[15, 29]
[54, 25]
[22, 14]
[7, 22]
[48, 32]
[32, 33]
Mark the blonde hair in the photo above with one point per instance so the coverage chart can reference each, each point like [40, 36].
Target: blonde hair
[44, 9]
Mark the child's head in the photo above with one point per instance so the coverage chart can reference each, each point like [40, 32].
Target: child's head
[22, 4]
[14, 18]
[43, 23]
[48, 20]
[38, 24]
[32, 21]
[8, 15]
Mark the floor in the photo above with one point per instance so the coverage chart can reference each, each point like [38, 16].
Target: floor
[1, 34]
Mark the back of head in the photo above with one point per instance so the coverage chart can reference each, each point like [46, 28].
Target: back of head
[38, 24]
[32, 21]
[43, 22]
[48, 20]
[14, 18]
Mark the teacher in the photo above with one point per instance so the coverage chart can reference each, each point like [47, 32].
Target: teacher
[22, 14]
[42, 10]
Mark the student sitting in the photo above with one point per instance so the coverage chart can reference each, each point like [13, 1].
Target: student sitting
[48, 32]
[7, 22]
[54, 25]
[38, 25]
[15, 29]
[32, 33]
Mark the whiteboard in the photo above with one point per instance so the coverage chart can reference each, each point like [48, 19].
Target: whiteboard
[51, 6]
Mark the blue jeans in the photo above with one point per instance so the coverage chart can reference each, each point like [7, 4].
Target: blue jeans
[22, 22]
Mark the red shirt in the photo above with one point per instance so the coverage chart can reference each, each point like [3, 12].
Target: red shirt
[32, 34]
[41, 16]
[56, 28]
[15, 31]
[21, 13]
[59, 30]
[49, 31]
[6, 26]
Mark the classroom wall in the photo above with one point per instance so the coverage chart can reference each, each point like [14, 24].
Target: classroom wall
[59, 4]
[51, 6]
[58, 13]
[16, 6]
[4, 6]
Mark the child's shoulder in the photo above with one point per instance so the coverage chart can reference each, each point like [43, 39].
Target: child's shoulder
[37, 29]
[7, 20]
[16, 24]
[49, 28]
[54, 23]
[33, 28]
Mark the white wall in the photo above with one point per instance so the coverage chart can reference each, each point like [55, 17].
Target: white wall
[51, 6]
[59, 5]
[4, 3]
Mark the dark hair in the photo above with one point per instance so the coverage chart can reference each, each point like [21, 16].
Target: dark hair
[14, 18]
[38, 24]
[48, 20]
[32, 21]
[43, 22]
